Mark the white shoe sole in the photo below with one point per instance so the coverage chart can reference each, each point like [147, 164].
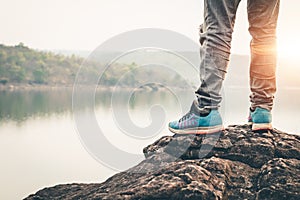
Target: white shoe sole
[198, 130]
[265, 126]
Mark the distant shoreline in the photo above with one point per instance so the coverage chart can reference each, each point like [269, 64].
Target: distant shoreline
[29, 87]
[13, 87]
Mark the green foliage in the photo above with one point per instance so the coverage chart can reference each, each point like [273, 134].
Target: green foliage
[17, 73]
[3, 81]
[39, 76]
[22, 65]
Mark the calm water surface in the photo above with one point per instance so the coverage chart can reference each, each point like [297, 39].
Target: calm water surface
[40, 147]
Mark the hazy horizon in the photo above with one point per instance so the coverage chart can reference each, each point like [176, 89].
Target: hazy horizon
[83, 25]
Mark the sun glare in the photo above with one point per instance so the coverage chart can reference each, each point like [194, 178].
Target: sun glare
[288, 48]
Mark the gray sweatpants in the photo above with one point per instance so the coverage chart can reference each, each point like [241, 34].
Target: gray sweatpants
[215, 40]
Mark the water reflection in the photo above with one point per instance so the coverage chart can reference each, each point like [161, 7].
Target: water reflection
[20, 105]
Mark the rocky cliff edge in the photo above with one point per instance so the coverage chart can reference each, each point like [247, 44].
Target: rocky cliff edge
[234, 164]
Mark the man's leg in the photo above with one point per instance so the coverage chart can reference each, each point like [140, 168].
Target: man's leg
[262, 15]
[215, 40]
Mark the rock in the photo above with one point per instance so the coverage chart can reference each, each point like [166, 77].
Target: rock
[234, 164]
[279, 179]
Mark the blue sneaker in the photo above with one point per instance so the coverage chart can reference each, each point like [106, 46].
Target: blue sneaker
[194, 123]
[260, 119]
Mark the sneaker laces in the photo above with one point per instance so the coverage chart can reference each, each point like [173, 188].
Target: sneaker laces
[187, 115]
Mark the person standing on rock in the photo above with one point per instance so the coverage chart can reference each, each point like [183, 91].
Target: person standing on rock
[215, 40]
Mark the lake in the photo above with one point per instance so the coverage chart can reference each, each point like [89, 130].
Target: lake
[42, 144]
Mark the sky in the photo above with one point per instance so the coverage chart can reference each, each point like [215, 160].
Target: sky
[85, 24]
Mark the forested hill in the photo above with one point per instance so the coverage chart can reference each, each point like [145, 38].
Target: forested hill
[20, 64]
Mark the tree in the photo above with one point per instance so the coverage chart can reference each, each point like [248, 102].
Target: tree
[39, 76]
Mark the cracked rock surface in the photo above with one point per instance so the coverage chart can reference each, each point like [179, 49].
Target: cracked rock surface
[234, 164]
